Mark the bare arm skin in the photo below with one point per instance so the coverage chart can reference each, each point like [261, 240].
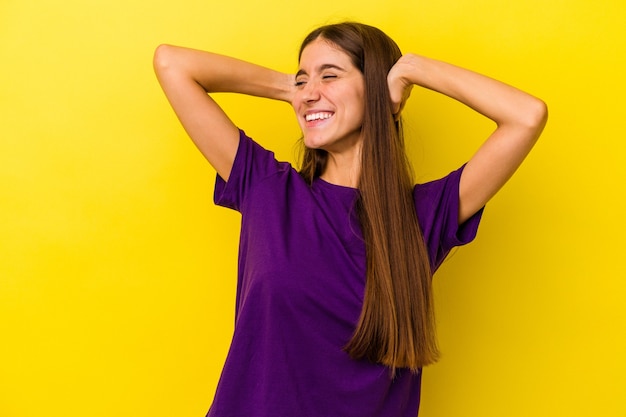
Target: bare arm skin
[520, 119]
[187, 75]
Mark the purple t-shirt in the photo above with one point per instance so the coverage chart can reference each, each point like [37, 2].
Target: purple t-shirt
[300, 287]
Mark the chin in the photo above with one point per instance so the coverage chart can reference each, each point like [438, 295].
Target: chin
[313, 143]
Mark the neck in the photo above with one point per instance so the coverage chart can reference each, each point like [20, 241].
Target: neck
[343, 169]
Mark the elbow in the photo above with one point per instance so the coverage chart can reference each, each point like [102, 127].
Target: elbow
[537, 115]
[541, 112]
[162, 58]
[531, 119]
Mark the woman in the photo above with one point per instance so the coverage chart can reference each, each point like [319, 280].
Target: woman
[334, 312]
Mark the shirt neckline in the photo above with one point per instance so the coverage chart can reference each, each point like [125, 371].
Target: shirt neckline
[329, 185]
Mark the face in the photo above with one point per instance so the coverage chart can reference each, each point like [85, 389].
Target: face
[329, 99]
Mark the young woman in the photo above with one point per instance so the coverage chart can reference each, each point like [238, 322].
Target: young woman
[334, 313]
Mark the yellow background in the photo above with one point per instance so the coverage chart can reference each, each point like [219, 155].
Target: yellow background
[117, 272]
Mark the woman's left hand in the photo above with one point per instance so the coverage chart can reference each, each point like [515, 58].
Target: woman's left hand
[399, 85]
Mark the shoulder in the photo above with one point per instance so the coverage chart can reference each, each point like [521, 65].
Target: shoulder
[254, 159]
[252, 166]
[428, 193]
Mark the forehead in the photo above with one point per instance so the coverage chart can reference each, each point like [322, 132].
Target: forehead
[320, 52]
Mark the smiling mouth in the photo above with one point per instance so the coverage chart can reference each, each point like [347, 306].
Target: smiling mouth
[313, 117]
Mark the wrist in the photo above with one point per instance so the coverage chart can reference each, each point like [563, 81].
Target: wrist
[287, 86]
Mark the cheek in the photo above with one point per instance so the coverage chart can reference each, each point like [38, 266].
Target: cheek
[357, 109]
[295, 102]
[296, 105]
[355, 102]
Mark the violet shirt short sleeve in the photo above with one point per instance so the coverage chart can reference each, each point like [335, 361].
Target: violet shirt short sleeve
[252, 163]
[437, 205]
[300, 286]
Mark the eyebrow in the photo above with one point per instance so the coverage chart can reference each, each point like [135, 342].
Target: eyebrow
[321, 68]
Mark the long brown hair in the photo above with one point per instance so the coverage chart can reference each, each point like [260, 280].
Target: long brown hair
[396, 326]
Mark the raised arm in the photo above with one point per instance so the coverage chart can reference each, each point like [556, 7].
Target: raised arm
[187, 75]
[519, 118]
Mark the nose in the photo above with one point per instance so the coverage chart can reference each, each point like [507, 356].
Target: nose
[311, 91]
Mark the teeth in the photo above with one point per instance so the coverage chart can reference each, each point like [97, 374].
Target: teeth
[317, 116]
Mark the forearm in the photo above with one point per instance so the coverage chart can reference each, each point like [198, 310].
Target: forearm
[502, 103]
[520, 119]
[187, 75]
[219, 73]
